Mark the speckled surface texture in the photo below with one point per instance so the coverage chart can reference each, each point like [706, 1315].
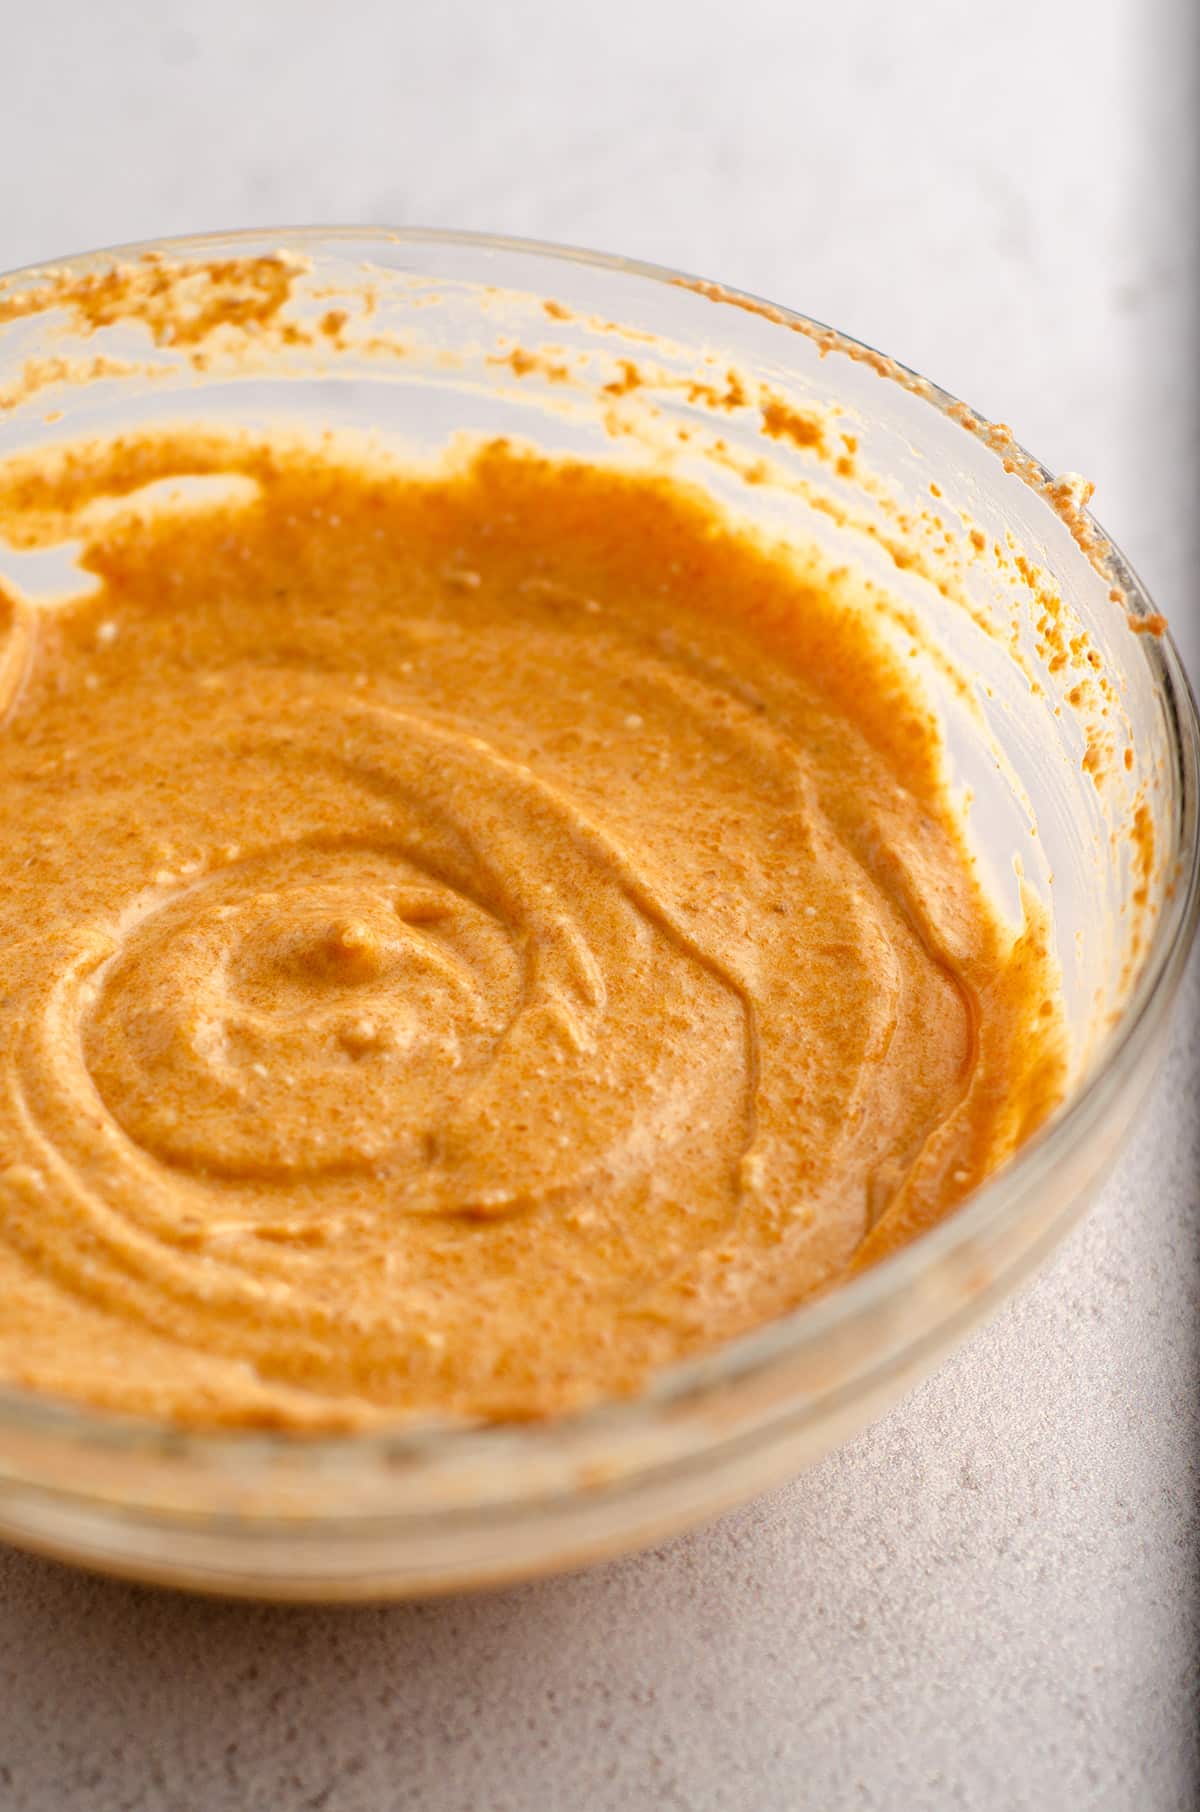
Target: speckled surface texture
[991, 1599]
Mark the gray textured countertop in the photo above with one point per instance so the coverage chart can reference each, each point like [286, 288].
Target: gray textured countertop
[991, 1598]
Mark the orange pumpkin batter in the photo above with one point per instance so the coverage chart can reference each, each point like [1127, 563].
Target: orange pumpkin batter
[470, 938]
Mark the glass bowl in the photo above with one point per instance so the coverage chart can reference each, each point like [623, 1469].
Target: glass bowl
[1071, 734]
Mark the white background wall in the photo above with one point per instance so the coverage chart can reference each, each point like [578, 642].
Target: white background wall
[991, 1600]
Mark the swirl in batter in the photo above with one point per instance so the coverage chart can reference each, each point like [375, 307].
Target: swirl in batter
[471, 938]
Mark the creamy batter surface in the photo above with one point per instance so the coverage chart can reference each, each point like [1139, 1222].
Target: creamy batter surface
[470, 938]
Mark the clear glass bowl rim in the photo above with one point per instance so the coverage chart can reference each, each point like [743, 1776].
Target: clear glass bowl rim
[998, 1201]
